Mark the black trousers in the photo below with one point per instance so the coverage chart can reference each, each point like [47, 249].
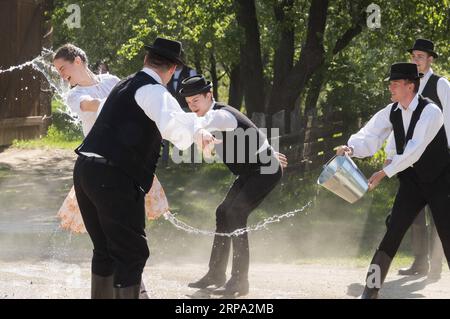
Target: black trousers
[113, 211]
[411, 198]
[246, 193]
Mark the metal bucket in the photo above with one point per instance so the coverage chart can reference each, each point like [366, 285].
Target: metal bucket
[342, 177]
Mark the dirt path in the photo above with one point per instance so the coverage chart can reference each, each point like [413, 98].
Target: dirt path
[48, 277]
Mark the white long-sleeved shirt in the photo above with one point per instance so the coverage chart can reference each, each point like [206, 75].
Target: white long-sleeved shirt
[443, 91]
[159, 105]
[97, 91]
[222, 120]
[372, 136]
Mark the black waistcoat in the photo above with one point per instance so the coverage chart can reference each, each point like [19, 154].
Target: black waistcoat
[239, 147]
[430, 90]
[435, 158]
[124, 134]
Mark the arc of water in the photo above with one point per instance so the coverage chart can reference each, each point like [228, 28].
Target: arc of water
[43, 64]
[260, 225]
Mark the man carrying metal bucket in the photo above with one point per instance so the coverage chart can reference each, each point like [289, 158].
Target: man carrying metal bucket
[425, 243]
[421, 162]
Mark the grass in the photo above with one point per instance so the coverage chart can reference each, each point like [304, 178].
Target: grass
[62, 134]
[46, 143]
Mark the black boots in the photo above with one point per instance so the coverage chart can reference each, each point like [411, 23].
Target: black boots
[436, 255]
[131, 292]
[217, 264]
[101, 287]
[236, 285]
[419, 267]
[376, 275]
[210, 279]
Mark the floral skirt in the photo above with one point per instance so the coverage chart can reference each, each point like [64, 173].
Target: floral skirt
[155, 205]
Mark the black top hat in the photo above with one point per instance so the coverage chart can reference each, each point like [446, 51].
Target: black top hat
[194, 85]
[425, 46]
[169, 49]
[404, 71]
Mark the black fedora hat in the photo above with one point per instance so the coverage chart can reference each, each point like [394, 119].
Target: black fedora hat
[404, 71]
[425, 46]
[194, 85]
[169, 49]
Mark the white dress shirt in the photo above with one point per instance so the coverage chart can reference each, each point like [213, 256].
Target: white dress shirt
[372, 136]
[217, 120]
[79, 94]
[443, 91]
[159, 105]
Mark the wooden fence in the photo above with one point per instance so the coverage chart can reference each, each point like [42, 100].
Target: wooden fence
[25, 98]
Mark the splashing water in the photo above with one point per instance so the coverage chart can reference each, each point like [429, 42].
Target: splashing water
[260, 225]
[43, 63]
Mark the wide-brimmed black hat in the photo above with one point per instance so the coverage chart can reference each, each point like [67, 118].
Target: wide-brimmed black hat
[425, 46]
[169, 49]
[404, 71]
[194, 85]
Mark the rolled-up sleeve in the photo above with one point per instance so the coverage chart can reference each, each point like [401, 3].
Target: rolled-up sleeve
[217, 120]
[371, 137]
[174, 124]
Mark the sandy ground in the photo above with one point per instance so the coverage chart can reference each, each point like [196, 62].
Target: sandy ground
[53, 278]
[48, 279]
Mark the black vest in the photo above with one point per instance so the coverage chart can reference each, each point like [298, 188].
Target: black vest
[430, 90]
[124, 134]
[185, 73]
[243, 142]
[435, 158]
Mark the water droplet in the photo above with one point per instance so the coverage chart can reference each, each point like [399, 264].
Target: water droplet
[26, 88]
[16, 99]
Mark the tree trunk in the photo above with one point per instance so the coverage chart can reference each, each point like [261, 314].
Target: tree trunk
[315, 87]
[320, 77]
[235, 91]
[284, 54]
[197, 61]
[251, 62]
[214, 79]
[311, 58]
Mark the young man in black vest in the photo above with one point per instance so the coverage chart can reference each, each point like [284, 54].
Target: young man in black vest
[115, 168]
[258, 170]
[428, 256]
[422, 164]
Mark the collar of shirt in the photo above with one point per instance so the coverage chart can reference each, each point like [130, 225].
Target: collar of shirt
[212, 105]
[412, 105]
[153, 74]
[427, 75]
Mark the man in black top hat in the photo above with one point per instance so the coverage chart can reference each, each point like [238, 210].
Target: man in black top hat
[257, 174]
[421, 162]
[428, 256]
[115, 168]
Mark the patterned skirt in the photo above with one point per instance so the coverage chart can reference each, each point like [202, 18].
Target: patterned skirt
[155, 205]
